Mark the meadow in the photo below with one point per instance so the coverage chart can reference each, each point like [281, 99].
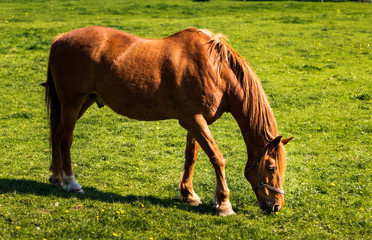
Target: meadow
[315, 63]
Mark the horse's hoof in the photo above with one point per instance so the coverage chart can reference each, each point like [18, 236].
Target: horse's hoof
[55, 181]
[191, 199]
[225, 212]
[76, 191]
[194, 202]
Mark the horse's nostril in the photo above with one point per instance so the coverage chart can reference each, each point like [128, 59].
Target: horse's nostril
[276, 208]
[270, 207]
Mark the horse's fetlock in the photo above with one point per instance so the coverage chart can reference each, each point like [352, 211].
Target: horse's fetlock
[185, 189]
[223, 195]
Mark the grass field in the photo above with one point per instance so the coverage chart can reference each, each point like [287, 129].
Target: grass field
[315, 63]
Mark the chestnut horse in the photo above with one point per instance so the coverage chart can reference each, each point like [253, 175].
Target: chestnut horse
[193, 76]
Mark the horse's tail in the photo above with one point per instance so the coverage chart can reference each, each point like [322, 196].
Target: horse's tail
[54, 110]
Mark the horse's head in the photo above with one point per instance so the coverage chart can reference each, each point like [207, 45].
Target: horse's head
[266, 175]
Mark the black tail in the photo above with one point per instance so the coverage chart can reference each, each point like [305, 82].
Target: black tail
[54, 110]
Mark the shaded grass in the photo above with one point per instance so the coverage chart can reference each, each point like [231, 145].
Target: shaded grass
[314, 61]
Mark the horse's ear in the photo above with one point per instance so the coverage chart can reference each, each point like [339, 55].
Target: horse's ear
[285, 141]
[274, 143]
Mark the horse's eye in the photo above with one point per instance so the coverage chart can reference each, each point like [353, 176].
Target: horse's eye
[271, 169]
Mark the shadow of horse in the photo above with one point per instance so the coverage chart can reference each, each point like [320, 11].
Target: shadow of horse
[24, 186]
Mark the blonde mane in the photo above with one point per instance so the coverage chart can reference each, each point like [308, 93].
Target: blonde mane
[255, 103]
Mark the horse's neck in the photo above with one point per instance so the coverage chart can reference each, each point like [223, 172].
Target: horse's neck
[257, 132]
[254, 142]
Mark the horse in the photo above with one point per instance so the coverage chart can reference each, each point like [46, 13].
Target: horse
[193, 76]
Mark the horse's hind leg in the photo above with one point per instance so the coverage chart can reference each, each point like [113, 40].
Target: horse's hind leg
[69, 116]
[62, 180]
[187, 193]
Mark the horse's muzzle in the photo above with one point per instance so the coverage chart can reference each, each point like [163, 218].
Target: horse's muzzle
[270, 207]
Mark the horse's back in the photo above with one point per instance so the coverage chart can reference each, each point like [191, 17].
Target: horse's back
[98, 40]
[89, 42]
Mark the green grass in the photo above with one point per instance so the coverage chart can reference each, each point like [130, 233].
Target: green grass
[315, 63]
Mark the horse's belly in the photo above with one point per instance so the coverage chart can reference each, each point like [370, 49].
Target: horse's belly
[162, 106]
[141, 106]
[141, 111]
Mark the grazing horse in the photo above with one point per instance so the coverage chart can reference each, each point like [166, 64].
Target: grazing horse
[193, 76]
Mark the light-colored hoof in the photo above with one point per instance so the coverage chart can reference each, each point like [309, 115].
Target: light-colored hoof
[70, 184]
[193, 200]
[76, 191]
[74, 188]
[224, 209]
[225, 212]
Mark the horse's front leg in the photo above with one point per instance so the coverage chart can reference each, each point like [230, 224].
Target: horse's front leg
[186, 190]
[198, 127]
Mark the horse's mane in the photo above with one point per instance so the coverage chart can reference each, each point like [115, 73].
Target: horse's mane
[255, 103]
